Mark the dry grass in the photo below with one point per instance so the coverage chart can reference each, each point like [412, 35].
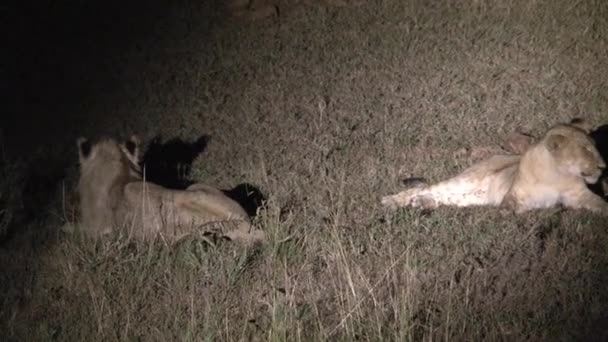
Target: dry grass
[325, 109]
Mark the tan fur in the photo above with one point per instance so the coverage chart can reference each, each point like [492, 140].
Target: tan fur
[554, 171]
[114, 195]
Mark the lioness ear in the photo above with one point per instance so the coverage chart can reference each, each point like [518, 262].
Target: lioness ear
[84, 148]
[555, 141]
[519, 142]
[132, 147]
[581, 124]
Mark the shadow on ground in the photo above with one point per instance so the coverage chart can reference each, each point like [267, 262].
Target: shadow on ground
[248, 196]
[169, 163]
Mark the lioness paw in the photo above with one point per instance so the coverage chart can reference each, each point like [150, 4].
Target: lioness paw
[423, 202]
[391, 202]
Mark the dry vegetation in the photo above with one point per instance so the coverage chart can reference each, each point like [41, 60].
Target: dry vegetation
[324, 109]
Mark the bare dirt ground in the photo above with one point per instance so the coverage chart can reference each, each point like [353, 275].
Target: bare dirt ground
[324, 106]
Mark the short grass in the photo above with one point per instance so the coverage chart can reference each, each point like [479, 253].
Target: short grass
[324, 109]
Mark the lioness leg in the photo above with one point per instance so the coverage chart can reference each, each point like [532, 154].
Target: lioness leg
[246, 233]
[458, 191]
[485, 183]
[585, 199]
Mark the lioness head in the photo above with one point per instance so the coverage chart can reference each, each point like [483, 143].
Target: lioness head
[574, 150]
[109, 158]
[104, 168]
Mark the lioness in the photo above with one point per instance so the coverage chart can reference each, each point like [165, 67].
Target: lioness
[113, 194]
[553, 171]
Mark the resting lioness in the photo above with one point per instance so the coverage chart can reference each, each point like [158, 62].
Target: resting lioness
[114, 195]
[553, 171]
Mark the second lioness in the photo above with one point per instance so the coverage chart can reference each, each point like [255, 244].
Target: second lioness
[114, 195]
[554, 171]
